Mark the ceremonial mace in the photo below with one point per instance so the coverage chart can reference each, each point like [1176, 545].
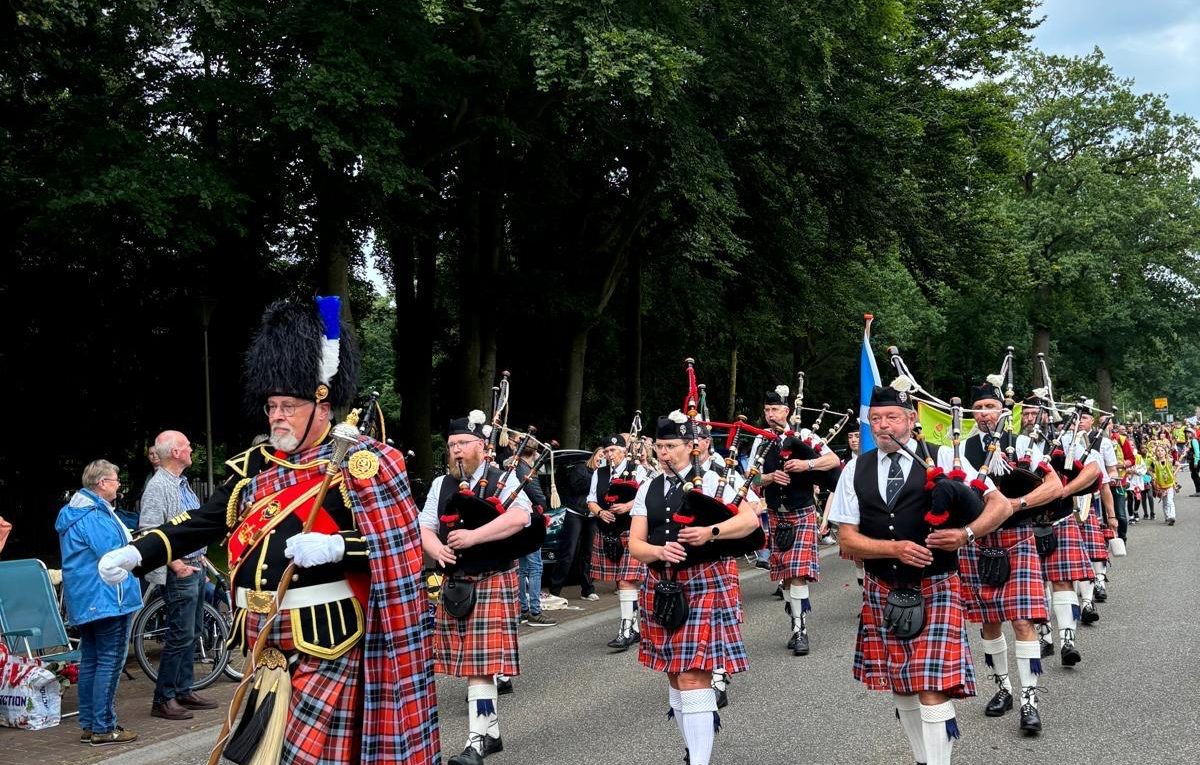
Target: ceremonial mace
[344, 435]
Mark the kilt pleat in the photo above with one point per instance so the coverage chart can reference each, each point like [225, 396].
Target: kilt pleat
[1093, 538]
[325, 714]
[802, 560]
[628, 569]
[485, 643]
[938, 659]
[1023, 596]
[711, 637]
[1069, 561]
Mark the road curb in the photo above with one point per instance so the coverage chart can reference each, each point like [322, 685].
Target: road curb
[167, 751]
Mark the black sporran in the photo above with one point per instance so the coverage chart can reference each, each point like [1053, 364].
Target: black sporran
[1045, 539]
[994, 568]
[904, 613]
[613, 549]
[670, 604]
[458, 597]
[784, 536]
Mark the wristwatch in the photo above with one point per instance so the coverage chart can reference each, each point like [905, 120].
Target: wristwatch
[1023, 505]
[716, 531]
[812, 464]
[970, 535]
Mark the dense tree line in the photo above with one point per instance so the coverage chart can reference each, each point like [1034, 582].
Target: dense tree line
[580, 192]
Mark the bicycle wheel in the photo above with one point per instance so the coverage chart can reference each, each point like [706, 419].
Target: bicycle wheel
[211, 655]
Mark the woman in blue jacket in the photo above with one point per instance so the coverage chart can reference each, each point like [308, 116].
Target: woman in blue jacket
[87, 528]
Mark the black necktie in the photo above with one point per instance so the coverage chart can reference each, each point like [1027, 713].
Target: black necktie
[895, 477]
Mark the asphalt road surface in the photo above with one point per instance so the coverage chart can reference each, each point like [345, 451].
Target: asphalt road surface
[1135, 698]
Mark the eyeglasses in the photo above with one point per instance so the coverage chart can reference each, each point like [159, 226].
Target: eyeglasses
[286, 409]
[114, 480]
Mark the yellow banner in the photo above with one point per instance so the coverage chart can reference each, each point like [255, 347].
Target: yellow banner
[936, 424]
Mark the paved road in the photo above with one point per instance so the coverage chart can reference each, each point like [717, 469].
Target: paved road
[1134, 698]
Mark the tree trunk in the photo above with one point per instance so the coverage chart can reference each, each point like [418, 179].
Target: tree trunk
[412, 345]
[733, 364]
[633, 375]
[1104, 394]
[470, 352]
[1041, 338]
[334, 238]
[573, 390]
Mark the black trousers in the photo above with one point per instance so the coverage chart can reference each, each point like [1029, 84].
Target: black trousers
[1195, 469]
[576, 541]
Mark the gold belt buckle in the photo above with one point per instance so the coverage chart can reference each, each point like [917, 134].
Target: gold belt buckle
[259, 602]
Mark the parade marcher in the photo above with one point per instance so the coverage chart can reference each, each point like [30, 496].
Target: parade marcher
[709, 634]
[853, 447]
[611, 561]
[787, 487]
[1163, 471]
[349, 634]
[1088, 508]
[1017, 597]
[480, 641]
[912, 639]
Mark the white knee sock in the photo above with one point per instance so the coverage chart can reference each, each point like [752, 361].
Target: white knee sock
[676, 709]
[940, 729]
[1099, 568]
[1066, 606]
[627, 600]
[908, 711]
[996, 654]
[700, 723]
[481, 713]
[800, 605]
[1086, 590]
[1029, 662]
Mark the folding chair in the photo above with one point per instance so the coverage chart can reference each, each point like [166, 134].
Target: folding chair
[30, 619]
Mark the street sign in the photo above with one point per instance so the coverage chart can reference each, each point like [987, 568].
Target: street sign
[1160, 404]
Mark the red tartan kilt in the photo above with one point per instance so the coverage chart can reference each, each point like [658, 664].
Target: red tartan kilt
[1023, 596]
[485, 643]
[803, 559]
[733, 577]
[711, 636]
[938, 659]
[1093, 538]
[628, 569]
[325, 711]
[1069, 561]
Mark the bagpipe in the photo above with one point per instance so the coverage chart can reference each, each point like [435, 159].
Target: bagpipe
[472, 509]
[806, 443]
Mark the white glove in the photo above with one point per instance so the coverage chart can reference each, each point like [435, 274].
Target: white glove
[314, 549]
[114, 566]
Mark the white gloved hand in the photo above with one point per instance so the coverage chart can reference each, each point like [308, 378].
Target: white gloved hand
[314, 549]
[114, 566]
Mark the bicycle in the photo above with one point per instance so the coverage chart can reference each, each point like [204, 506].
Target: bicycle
[212, 657]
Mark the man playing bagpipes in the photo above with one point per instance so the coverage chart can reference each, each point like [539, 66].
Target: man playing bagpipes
[1083, 445]
[794, 464]
[1002, 573]
[609, 500]
[683, 528]
[907, 520]
[474, 524]
[341, 665]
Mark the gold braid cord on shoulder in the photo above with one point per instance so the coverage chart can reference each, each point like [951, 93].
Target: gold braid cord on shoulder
[231, 508]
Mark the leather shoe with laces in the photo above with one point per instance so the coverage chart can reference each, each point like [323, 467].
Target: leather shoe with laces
[1031, 719]
[194, 700]
[1101, 594]
[1070, 655]
[999, 704]
[801, 646]
[1047, 647]
[469, 756]
[792, 640]
[722, 699]
[492, 745]
[170, 710]
[1088, 614]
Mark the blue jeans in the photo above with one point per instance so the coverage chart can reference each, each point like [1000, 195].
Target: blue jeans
[529, 582]
[104, 644]
[184, 609]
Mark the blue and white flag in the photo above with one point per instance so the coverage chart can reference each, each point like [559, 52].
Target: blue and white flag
[868, 378]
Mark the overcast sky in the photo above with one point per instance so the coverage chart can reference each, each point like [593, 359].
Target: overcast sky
[1156, 42]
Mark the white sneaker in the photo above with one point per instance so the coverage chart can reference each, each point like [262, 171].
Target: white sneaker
[553, 602]
[590, 596]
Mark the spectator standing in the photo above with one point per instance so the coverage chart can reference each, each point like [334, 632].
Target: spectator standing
[529, 570]
[1193, 460]
[577, 525]
[88, 528]
[166, 496]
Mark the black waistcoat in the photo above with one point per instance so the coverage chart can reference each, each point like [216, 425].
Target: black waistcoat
[797, 494]
[975, 454]
[603, 481]
[904, 520]
[486, 557]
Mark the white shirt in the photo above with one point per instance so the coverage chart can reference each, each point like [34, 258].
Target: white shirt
[428, 517]
[709, 486]
[1026, 446]
[1080, 452]
[639, 475]
[844, 507]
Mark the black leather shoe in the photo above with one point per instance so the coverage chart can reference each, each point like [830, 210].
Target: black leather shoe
[492, 745]
[1000, 703]
[468, 757]
[622, 641]
[1100, 595]
[1031, 721]
[504, 686]
[1047, 647]
[1070, 655]
[792, 640]
[1088, 614]
[801, 646]
[722, 699]
[779, 592]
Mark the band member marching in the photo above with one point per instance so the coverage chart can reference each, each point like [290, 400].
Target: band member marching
[609, 500]
[342, 671]
[1087, 446]
[1002, 573]
[908, 522]
[691, 623]
[474, 524]
[792, 467]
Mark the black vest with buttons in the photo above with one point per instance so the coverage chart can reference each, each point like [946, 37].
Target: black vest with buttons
[603, 479]
[659, 509]
[903, 521]
[975, 454]
[798, 494]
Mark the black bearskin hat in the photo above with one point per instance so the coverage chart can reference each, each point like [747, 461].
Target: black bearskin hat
[288, 351]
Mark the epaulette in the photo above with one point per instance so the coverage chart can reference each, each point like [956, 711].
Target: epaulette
[245, 464]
